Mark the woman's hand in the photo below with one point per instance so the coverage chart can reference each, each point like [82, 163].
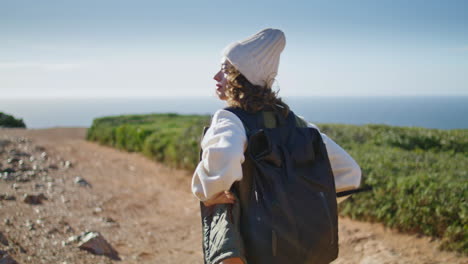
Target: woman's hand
[225, 197]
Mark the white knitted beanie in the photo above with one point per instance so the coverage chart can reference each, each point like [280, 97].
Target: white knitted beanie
[257, 57]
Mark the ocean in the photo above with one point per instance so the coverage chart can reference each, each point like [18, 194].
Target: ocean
[442, 112]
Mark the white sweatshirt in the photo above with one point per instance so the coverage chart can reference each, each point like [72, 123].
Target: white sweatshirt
[223, 154]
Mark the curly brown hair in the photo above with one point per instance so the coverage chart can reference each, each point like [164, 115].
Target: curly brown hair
[249, 97]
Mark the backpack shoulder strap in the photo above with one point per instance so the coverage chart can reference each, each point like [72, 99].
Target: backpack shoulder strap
[300, 122]
[251, 121]
[266, 119]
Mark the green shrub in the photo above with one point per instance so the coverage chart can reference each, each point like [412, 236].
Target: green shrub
[169, 138]
[419, 176]
[9, 121]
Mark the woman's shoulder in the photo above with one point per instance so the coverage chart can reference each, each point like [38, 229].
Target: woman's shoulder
[224, 115]
[225, 127]
[300, 121]
[225, 118]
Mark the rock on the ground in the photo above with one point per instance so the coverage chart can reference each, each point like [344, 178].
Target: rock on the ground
[8, 170]
[30, 225]
[7, 222]
[6, 259]
[7, 197]
[34, 199]
[67, 164]
[95, 243]
[3, 239]
[17, 153]
[82, 182]
[39, 148]
[44, 156]
[71, 240]
[4, 143]
[97, 210]
[108, 220]
[7, 176]
[13, 160]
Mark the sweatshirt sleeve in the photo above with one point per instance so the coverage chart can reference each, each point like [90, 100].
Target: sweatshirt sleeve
[223, 154]
[346, 171]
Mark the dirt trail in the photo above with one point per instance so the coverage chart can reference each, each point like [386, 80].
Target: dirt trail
[146, 211]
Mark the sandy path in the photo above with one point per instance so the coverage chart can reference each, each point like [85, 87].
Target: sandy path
[157, 219]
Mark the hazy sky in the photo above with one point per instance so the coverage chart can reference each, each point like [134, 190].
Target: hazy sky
[157, 48]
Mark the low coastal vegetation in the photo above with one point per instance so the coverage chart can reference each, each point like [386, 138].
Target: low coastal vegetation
[419, 176]
[10, 121]
[169, 138]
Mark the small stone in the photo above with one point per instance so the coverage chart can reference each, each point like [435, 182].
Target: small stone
[25, 168]
[8, 176]
[72, 239]
[95, 243]
[23, 178]
[4, 142]
[23, 140]
[68, 164]
[43, 155]
[53, 231]
[30, 225]
[7, 222]
[9, 170]
[108, 220]
[97, 210]
[34, 199]
[82, 182]
[15, 186]
[7, 259]
[7, 197]
[63, 199]
[38, 186]
[68, 229]
[39, 148]
[18, 153]
[12, 160]
[3, 239]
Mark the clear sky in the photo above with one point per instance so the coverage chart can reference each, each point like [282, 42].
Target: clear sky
[115, 48]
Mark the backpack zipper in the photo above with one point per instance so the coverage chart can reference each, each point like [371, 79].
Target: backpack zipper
[327, 210]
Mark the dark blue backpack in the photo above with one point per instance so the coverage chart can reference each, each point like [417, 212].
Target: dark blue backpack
[287, 199]
[287, 195]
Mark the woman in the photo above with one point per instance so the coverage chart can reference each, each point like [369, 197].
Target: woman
[244, 81]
